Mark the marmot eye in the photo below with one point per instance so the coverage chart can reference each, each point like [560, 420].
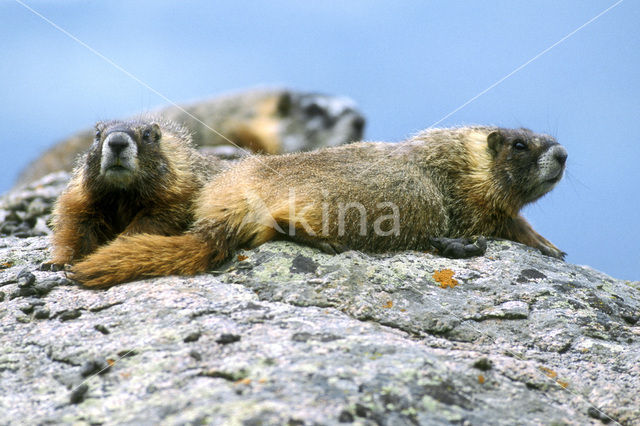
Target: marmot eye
[519, 145]
[98, 133]
[146, 135]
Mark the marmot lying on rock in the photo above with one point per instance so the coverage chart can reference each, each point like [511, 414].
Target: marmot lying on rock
[430, 191]
[138, 177]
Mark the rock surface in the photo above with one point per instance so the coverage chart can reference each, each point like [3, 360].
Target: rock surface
[284, 334]
[25, 211]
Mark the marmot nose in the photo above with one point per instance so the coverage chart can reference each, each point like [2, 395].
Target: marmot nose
[560, 154]
[117, 143]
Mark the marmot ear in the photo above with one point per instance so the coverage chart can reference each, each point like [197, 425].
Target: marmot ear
[495, 140]
[156, 131]
[99, 128]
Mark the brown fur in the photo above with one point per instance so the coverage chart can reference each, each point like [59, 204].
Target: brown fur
[156, 197]
[459, 182]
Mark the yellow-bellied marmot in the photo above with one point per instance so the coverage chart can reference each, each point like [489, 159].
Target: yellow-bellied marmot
[453, 183]
[138, 177]
[270, 121]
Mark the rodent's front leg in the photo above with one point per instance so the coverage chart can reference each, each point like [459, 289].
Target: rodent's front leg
[73, 238]
[521, 231]
[76, 229]
[459, 248]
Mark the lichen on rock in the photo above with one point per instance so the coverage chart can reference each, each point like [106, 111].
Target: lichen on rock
[287, 334]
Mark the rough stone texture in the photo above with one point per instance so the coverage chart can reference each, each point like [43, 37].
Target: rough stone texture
[25, 211]
[284, 334]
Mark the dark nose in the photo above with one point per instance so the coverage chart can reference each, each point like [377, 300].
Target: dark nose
[560, 154]
[118, 143]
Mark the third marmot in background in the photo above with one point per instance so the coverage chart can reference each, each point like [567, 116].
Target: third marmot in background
[265, 120]
[139, 176]
[376, 197]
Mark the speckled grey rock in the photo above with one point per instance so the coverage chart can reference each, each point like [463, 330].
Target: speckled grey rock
[289, 335]
[25, 211]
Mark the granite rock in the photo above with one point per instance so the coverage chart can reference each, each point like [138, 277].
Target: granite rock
[25, 211]
[285, 334]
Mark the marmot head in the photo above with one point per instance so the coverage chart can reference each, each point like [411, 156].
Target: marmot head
[131, 155]
[526, 165]
[319, 120]
[278, 121]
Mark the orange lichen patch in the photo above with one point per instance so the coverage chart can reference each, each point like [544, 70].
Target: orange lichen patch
[549, 372]
[125, 375]
[403, 310]
[242, 257]
[445, 278]
[262, 381]
[388, 305]
[243, 381]
[480, 379]
[553, 375]
[5, 265]
[110, 362]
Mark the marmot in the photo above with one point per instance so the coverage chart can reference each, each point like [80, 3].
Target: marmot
[270, 121]
[455, 183]
[137, 177]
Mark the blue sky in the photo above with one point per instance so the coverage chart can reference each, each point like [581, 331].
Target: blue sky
[407, 65]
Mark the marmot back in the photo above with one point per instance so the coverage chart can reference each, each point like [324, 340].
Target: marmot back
[137, 176]
[438, 189]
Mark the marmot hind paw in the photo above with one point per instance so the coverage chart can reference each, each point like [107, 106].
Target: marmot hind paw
[459, 248]
[332, 248]
[52, 266]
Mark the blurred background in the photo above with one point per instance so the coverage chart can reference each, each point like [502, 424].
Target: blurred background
[406, 64]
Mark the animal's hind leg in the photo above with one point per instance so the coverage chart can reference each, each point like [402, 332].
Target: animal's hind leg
[459, 248]
[327, 246]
